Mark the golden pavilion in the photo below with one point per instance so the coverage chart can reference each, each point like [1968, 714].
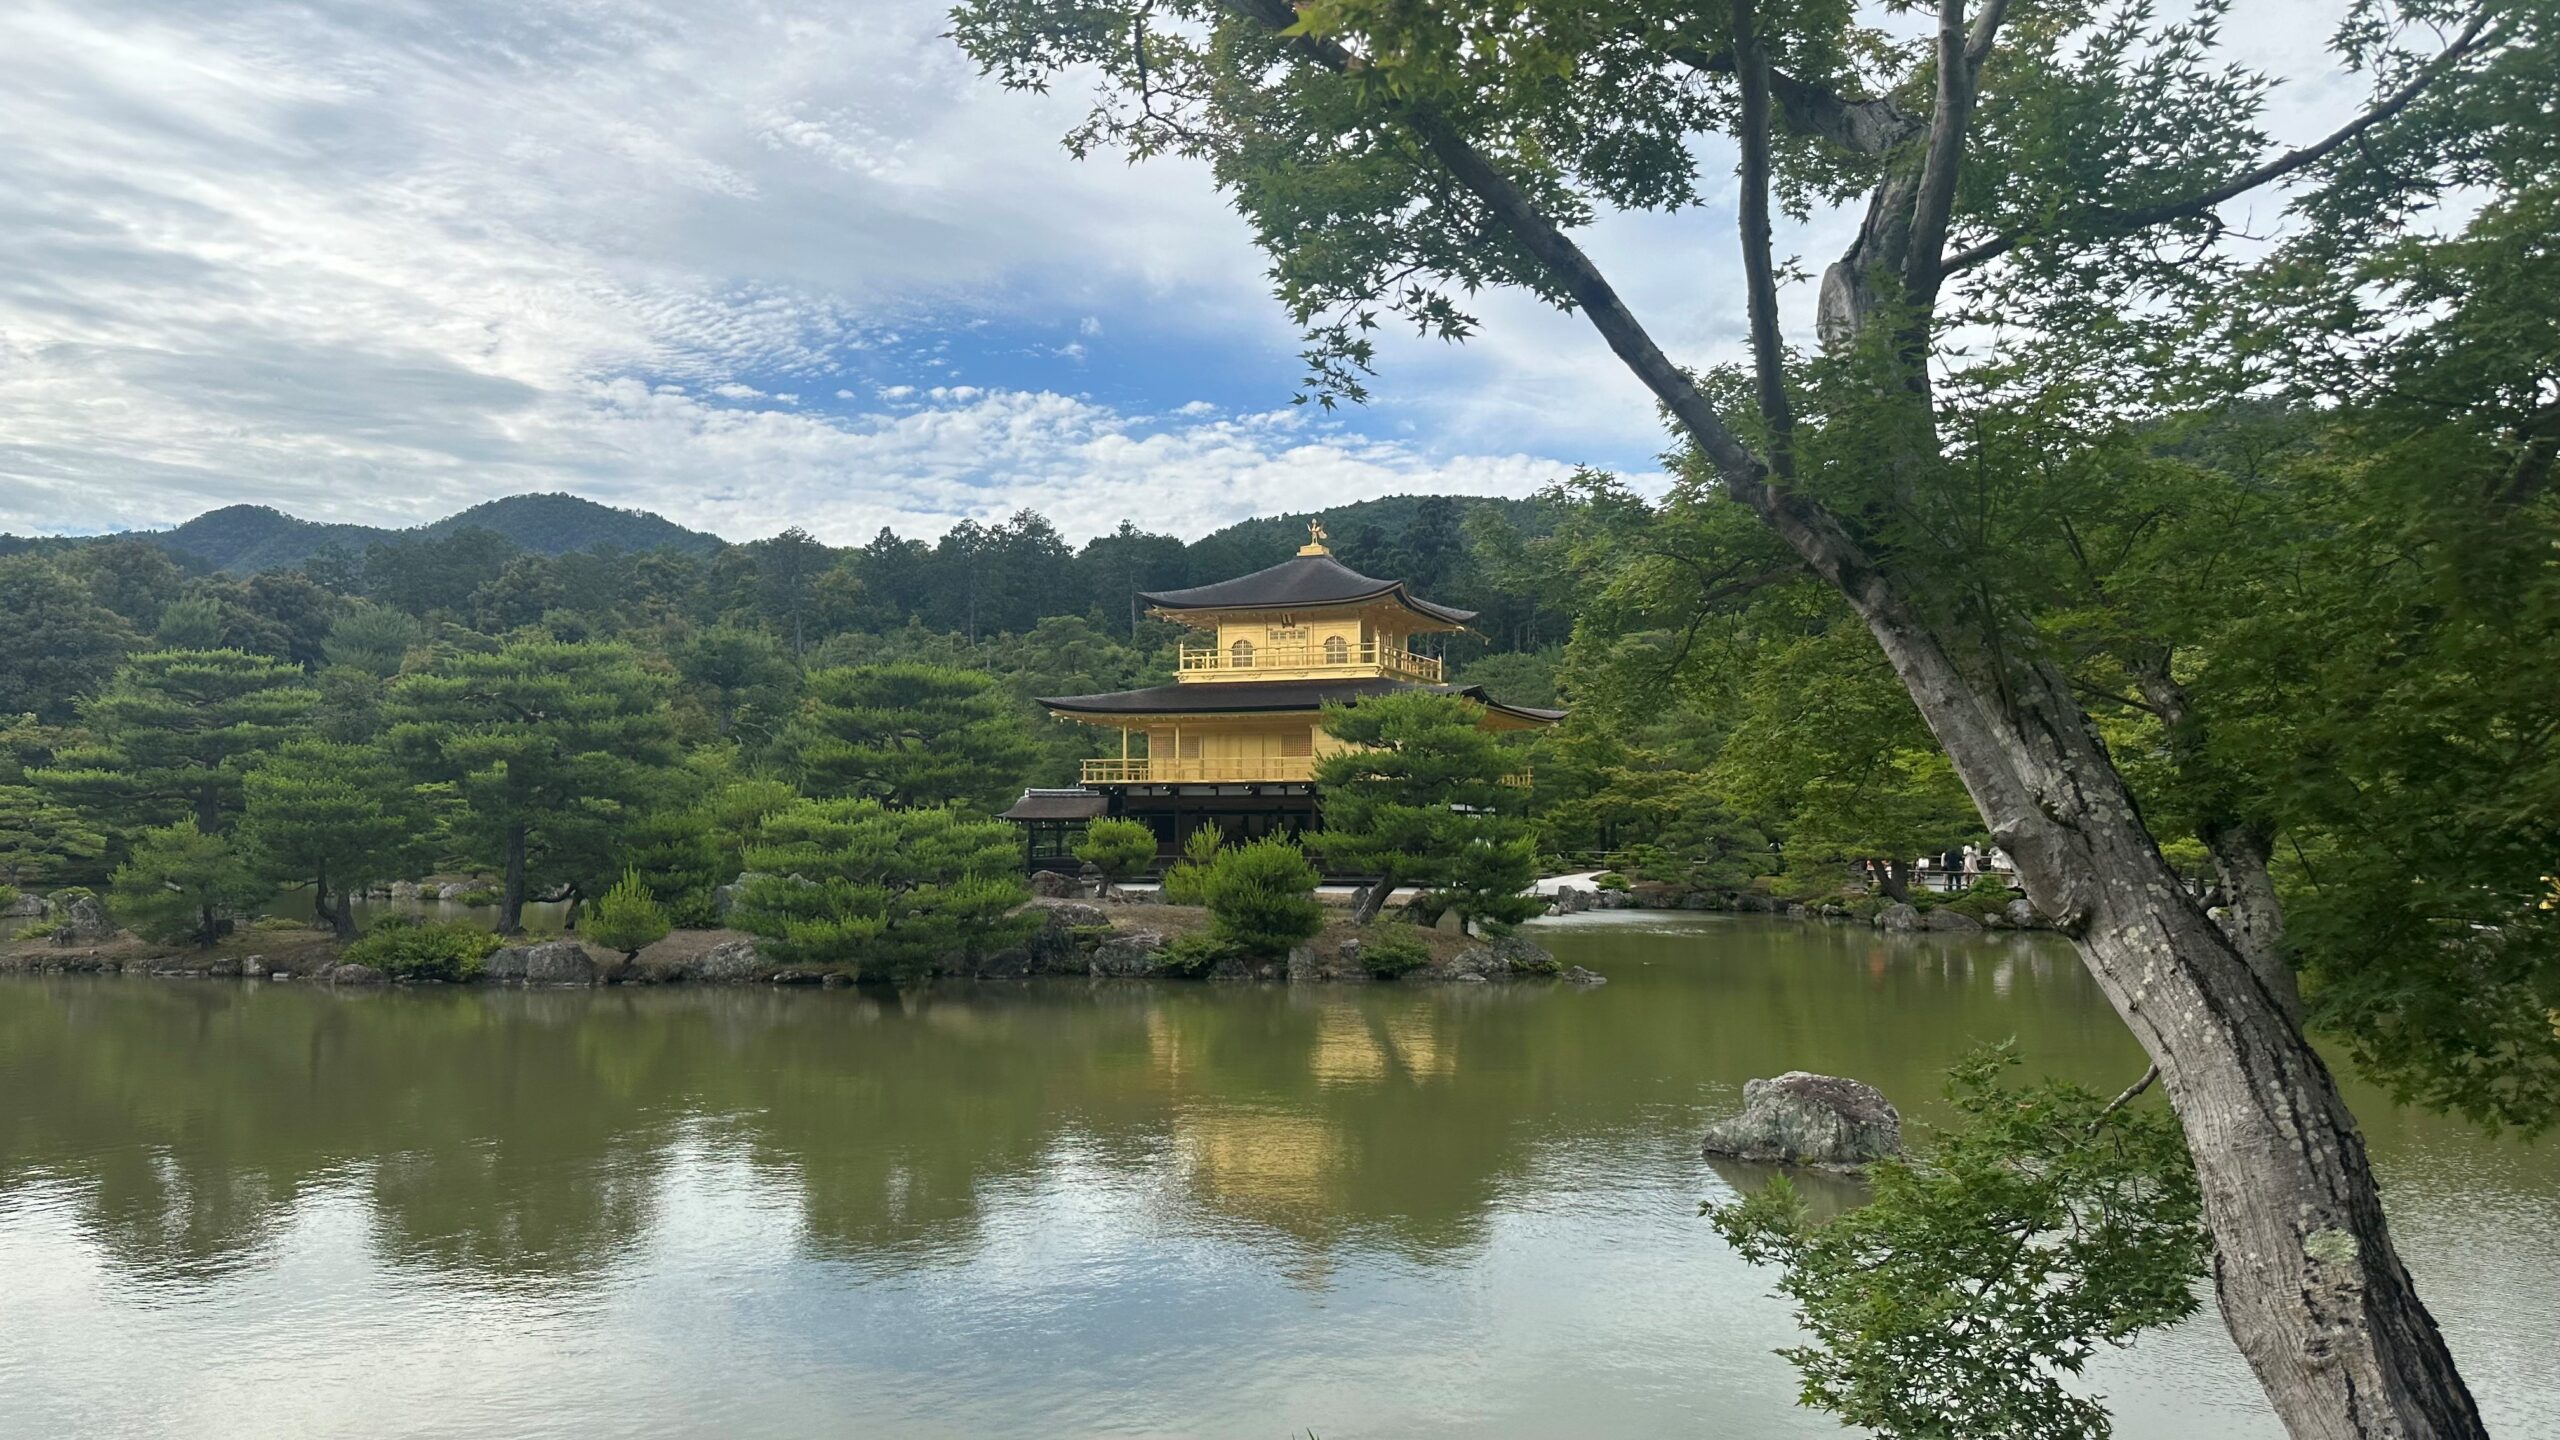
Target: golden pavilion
[1234, 740]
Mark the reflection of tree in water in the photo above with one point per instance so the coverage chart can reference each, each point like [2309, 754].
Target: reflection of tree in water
[504, 1135]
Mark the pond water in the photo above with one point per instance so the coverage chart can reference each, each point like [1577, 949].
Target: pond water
[1053, 1209]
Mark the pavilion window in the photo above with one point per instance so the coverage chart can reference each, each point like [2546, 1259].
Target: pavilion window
[1240, 655]
[1337, 650]
[1299, 742]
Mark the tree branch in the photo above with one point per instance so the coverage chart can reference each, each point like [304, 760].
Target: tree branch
[1768, 355]
[1977, 42]
[1923, 261]
[2127, 1096]
[1550, 246]
[1864, 127]
[2125, 222]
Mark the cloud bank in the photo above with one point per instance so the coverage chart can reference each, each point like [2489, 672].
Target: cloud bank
[753, 264]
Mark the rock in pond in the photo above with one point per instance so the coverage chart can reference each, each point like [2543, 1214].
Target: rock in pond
[354, 975]
[1805, 1119]
[1587, 979]
[1128, 955]
[1073, 914]
[84, 922]
[2022, 914]
[1897, 916]
[553, 962]
[1498, 959]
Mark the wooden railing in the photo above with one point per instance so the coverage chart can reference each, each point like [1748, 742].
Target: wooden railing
[1282, 768]
[1368, 658]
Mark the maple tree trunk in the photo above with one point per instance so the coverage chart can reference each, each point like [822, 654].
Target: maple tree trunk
[2310, 1285]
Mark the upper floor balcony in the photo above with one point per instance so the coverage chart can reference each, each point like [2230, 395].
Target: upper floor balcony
[1142, 770]
[1335, 657]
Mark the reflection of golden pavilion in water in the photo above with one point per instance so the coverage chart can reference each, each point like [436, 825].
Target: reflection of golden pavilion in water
[1233, 742]
[1279, 1166]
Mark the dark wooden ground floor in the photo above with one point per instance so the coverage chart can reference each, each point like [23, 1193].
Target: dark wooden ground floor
[1053, 821]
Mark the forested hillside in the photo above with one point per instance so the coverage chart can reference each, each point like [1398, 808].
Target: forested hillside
[246, 539]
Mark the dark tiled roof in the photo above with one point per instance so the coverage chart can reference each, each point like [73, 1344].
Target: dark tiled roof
[1300, 583]
[1247, 697]
[1058, 805]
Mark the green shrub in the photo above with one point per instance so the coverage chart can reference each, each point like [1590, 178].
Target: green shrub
[1262, 897]
[1610, 880]
[39, 930]
[1116, 848]
[8, 896]
[1985, 897]
[1392, 954]
[1186, 881]
[477, 898]
[278, 924]
[628, 918]
[405, 947]
[1192, 957]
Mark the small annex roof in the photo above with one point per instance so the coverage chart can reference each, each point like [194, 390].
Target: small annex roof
[1259, 697]
[1302, 582]
[1075, 804]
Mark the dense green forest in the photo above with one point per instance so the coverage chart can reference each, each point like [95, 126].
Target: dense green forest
[150, 686]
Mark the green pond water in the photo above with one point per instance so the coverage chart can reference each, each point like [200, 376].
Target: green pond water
[1052, 1209]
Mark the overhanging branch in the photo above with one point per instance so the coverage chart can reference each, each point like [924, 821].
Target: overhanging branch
[2110, 221]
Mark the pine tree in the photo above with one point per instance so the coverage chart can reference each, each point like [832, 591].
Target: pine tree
[910, 735]
[1418, 799]
[40, 838]
[853, 886]
[335, 818]
[548, 747]
[180, 883]
[175, 731]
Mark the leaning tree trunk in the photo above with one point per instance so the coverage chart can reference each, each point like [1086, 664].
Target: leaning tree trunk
[2310, 1285]
[1374, 899]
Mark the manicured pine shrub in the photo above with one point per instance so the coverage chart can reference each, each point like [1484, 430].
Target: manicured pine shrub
[407, 948]
[628, 918]
[1116, 848]
[1261, 897]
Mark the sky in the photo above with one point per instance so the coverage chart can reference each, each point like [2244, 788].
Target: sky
[750, 264]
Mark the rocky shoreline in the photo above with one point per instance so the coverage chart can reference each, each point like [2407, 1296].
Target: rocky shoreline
[1076, 939]
[2017, 914]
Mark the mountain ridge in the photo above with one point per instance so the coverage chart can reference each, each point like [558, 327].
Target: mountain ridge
[247, 538]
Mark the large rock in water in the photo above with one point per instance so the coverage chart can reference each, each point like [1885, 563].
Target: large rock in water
[1897, 916]
[1806, 1119]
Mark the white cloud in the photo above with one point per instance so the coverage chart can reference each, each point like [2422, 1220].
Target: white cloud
[369, 261]
[982, 455]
